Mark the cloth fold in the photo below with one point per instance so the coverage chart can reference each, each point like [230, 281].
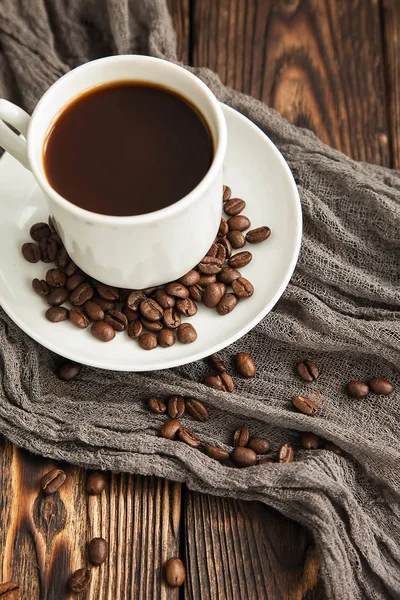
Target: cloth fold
[341, 309]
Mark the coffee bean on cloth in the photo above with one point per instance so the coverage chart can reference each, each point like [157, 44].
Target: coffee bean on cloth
[341, 308]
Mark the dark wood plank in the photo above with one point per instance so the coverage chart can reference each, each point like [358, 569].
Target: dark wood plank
[180, 12]
[318, 62]
[391, 36]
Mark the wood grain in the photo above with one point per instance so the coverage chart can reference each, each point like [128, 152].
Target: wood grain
[391, 37]
[180, 13]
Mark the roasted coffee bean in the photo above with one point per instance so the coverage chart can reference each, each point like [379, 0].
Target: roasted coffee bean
[74, 281]
[381, 386]
[234, 206]
[57, 314]
[96, 483]
[285, 454]
[151, 310]
[209, 265]
[309, 441]
[150, 291]
[227, 382]
[166, 338]
[191, 278]
[62, 258]
[38, 231]
[238, 223]
[225, 243]
[305, 405]
[244, 457]
[213, 250]
[215, 382]
[189, 438]
[222, 287]
[308, 370]
[212, 295]
[239, 260]
[81, 294]
[69, 371]
[148, 341]
[332, 447]
[260, 445]
[177, 289]
[236, 239]
[170, 429]
[105, 305]
[176, 407]
[9, 591]
[223, 228]
[217, 251]
[78, 317]
[71, 268]
[226, 193]
[117, 320]
[156, 406]
[134, 299]
[153, 326]
[265, 461]
[107, 292]
[52, 481]
[216, 453]
[216, 363]
[245, 364]
[186, 307]
[41, 287]
[97, 551]
[164, 299]
[56, 278]
[357, 389]
[48, 250]
[242, 287]
[196, 409]
[255, 236]
[227, 275]
[171, 318]
[57, 297]
[79, 581]
[131, 315]
[93, 310]
[241, 436]
[54, 236]
[31, 252]
[135, 329]
[174, 572]
[227, 304]
[206, 280]
[196, 292]
[186, 333]
[102, 331]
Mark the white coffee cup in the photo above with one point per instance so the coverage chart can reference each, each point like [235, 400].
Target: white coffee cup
[137, 251]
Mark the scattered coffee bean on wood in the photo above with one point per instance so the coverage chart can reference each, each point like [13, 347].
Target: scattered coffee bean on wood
[196, 409]
[357, 389]
[97, 551]
[175, 573]
[260, 445]
[176, 407]
[9, 591]
[69, 371]
[309, 441]
[305, 405]
[332, 447]
[156, 406]
[245, 364]
[308, 370]
[285, 453]
[52, 481]
[170, 429]
[380, 386]
[243, 457]
[96, 483]
[189, 438]
[216, 453]
[241, 436]
[79, 581]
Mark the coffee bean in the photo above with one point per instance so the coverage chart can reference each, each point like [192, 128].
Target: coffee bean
[151, 310]
[357, 389]
[38, 231]
[227, 382]
[196, 292]
[62, 258]
[56, 278]
[102, 331]
[236, 239]
[41, 287]
[213, 250]
[52, 481]
[97, 551]
[196, 409]
[186, 333]
[131, 315]
[189, 438]
[285, 454]
[260, 445]
[255, 236]
[74, 281]
[305, 405]
[93, 310]
[245, 364]
[57, 297]
[31, 252]
[171, 318]
[244, 457]
[241, 436]
[135, 329]
[227, 275]
[148, 341]
[239, 260]
[9, 591]
[381, 386]
[57, 314]
[215, 382]
[216, 363]
[234, 206]
[78, 317]
[79, 581]
[54, 236]
[150, 291]
[166, 338]
[49, 250]
[153, 326]
[186, 307]
[174, 572]
[265, 461]
[134, 299]
[238, 223]
[210, 265]
[332, 447]
[222, 287]
[217, 251]
[227, 304]
[205, 280]
[69, 371]
[308, 370]
[242, 287]
[105, 305]
[216, 453]
[117, 320]
[107, 292]
[71, 268]
[226, 193]
[177, 289]
[156, 405]
[191, 278]
[81, 294]
[170, 429]
[164, 299]
[212, 295]
[223, 228]
[225, 243]
[96, 483]
[176, 407]
[309, 441]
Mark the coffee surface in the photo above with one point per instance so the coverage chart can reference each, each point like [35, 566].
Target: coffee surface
[127, 148]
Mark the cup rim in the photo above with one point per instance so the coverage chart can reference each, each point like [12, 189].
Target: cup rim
[157, 215]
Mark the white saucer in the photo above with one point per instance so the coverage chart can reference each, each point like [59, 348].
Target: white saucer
[256, 172]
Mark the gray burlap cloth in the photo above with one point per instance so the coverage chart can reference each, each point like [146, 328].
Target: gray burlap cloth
[342, 308]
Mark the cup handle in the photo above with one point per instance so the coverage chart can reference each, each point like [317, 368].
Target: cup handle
[10, 141]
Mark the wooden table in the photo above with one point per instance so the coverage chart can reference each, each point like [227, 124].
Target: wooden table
[332, 66]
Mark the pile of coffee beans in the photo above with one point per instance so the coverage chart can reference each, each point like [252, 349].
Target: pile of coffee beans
[152, 316]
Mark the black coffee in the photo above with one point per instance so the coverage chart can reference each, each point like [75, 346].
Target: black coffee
[127, 148]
